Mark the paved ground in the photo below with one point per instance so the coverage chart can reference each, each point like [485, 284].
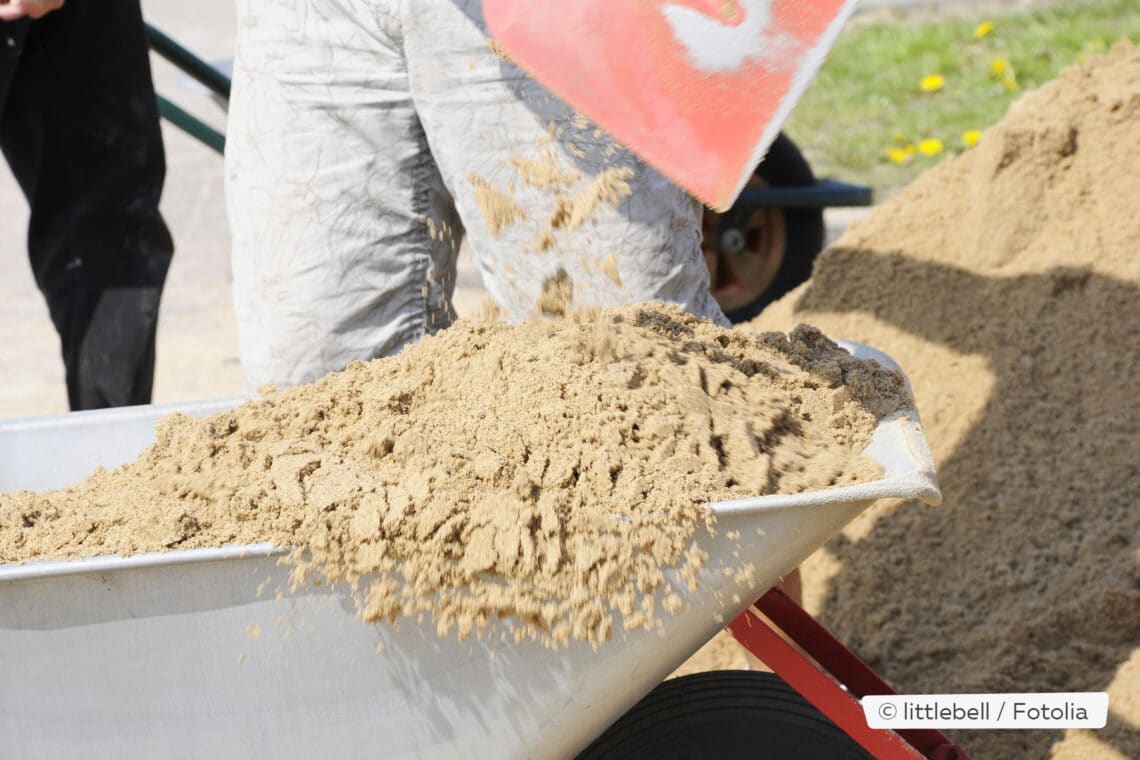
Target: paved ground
[197, 342]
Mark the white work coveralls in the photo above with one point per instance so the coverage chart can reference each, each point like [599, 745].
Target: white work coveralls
[365, 136]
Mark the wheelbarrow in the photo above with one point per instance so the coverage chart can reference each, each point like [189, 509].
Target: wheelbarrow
[213, 653]
[758, 250]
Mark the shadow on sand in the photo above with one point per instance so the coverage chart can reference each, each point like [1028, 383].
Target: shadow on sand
[1026, 578]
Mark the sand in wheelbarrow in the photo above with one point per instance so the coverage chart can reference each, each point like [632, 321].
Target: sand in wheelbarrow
[1006, 283]
[481, 472]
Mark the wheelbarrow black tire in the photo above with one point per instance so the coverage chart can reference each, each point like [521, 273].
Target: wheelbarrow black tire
[785, 166]
[724, 715]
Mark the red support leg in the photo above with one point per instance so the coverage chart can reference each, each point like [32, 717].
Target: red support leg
[822, 684]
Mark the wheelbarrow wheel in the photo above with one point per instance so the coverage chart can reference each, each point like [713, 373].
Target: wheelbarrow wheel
[724, 715]
[781, 245]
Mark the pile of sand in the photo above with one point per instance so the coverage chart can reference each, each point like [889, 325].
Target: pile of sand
[1006, 283]
[546, 471]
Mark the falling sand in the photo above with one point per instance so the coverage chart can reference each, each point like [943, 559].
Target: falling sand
[610, 186]
[544, 172]
[498, 208]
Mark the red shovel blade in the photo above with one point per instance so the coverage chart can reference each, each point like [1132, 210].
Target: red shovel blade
[697, 88]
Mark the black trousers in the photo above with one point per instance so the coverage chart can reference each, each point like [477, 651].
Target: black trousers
[79, 127]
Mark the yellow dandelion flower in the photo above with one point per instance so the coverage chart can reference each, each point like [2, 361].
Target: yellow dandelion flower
[971, 137]
[982, 29]
[1003, 70]
[899, 155]
[931, 146]
[932, 83]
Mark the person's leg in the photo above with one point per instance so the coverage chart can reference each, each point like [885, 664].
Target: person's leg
[540, 189]
[81, 133]
[330, 190]
[12, 34]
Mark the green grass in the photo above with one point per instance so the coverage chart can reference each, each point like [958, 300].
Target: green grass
[866, 97]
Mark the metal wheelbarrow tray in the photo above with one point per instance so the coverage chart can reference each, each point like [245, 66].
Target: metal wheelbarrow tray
[210, 653]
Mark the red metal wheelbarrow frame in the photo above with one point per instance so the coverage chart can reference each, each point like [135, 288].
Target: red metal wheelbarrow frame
[836, 680]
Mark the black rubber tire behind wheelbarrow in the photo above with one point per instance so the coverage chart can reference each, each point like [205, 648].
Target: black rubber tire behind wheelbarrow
[724, 715]
[785, 166]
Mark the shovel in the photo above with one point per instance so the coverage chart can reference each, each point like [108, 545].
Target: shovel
[696, 88]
